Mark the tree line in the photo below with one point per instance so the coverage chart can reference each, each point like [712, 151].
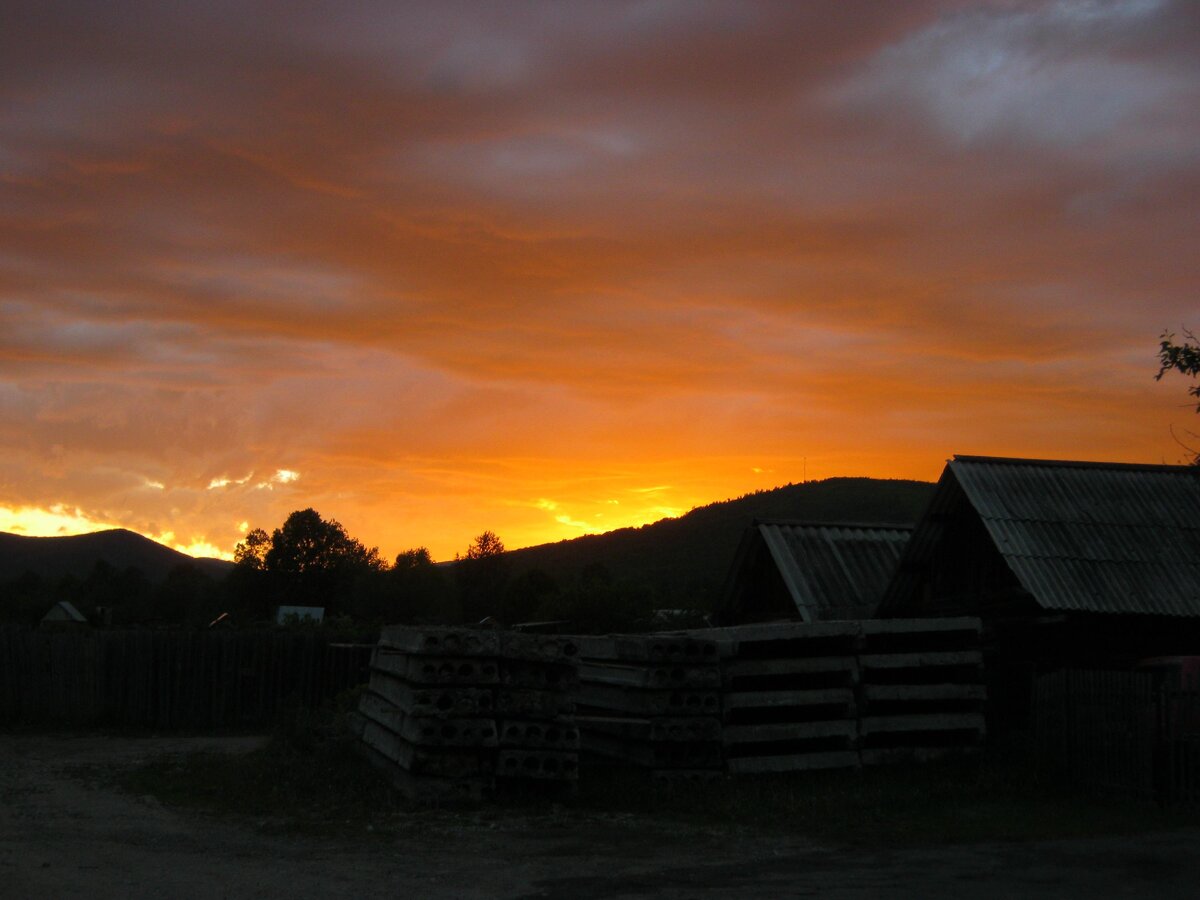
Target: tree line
[311, 561]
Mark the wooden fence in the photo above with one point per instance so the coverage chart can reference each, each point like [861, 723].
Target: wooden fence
[1135, 734]
[169, 679]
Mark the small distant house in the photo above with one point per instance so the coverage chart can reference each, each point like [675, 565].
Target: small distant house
[1066, 562]
[810, 572]
[286, 614]
[64, 615]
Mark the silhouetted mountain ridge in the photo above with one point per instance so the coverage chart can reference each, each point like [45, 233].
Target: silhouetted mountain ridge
[77, 555]
[685, 560]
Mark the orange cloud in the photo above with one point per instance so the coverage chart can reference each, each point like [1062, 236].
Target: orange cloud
[447, 262]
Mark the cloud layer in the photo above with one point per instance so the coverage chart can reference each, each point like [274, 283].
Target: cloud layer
[455, 267]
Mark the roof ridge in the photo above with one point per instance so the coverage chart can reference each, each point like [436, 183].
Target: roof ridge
[810, 523]
[1074, 464]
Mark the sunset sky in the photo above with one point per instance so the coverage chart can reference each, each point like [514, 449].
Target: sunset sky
[555, 268]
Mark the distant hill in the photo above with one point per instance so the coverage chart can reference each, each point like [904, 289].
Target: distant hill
[54, 557]
[686, 559]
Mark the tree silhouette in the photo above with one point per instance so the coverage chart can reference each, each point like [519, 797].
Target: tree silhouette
[308, 544]
[1183, 357]
[252, 552]
[419, 591]
[411, 560]
[486, 546]
[481, 577]
[307, 561]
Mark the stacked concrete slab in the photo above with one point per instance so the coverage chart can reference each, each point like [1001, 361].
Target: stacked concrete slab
[789, 699]
[654, 702]
[447, 712]
[535, 710]
[837, 694]
[921, 691]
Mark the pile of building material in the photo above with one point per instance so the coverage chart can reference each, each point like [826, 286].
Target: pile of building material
[837, 694]
[447, 712]
[535, 710]
[789, 696]
[652, 701]
[921, 689]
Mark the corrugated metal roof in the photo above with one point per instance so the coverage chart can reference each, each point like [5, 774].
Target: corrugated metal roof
[1094, 537]
[834, 571]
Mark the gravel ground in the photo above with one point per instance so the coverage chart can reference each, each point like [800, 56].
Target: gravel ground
[64, 833]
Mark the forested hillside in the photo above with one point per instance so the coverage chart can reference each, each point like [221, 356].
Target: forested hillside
[684, 561]
[76, 555]
[599, 583]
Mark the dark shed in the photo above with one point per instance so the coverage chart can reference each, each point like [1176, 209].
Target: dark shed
[1081, 561]
[809, 571]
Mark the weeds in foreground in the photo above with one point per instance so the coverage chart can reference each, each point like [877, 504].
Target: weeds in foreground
[310, 778]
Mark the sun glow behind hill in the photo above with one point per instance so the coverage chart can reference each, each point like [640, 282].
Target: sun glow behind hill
[61, 521]
[562, 500]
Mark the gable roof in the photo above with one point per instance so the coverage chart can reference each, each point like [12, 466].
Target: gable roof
[830, 570]
[1078, 536]
[64, 611]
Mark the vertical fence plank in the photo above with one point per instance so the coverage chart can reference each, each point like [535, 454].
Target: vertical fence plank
[1119, 732]
[176, 679]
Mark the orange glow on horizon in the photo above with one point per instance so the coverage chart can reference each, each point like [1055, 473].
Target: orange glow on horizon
[432, 270]
[63, 521]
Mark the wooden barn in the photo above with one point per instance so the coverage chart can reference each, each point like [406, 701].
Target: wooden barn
[809, 572]
[1067, 563]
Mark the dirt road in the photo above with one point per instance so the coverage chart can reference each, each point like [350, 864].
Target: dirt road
[64, 834]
